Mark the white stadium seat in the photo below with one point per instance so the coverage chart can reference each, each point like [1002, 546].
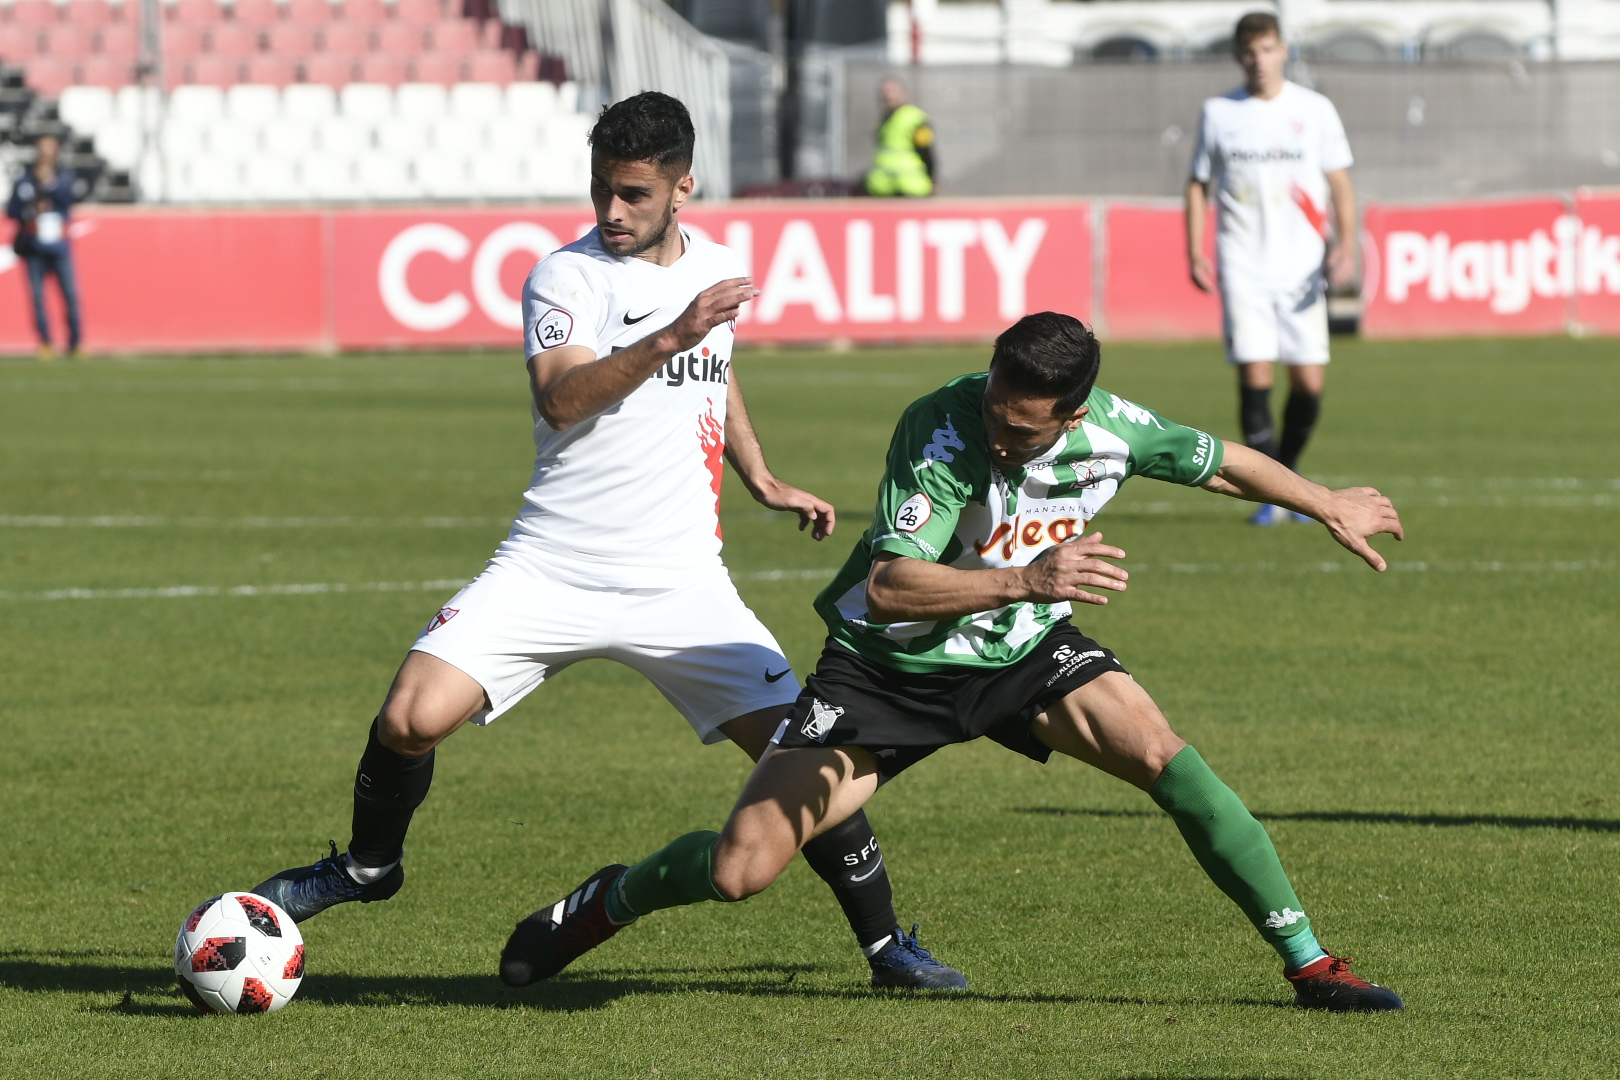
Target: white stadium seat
[330, 179]
[252, 103]
[129, 102]
[386, 176]
[229, 139]
[421, 102]
[197, 104]
[367, 102]
[532, 99]
[120, 143]
[567, 130]
[568, 97]
[443, 176]
[557, 173]
[456, 137]
[498, 176]
[272, 179]
[477, 102]
[291, 139]
[214, 179]
[401, 136]
[152, 178]
[308, 101]
[339, 136]
[517, 134]
[181, 142]
[86, 109]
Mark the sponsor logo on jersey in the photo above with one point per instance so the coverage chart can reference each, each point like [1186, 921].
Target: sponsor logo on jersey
[1070, 661]
[445, 615]
[945, 440]
[555, 327]
[1010, 535]
[628, 321]
[1261, 157]
[820, 721]
[913, 513]
[1132, 412]
[699, 365]
[1288, 918]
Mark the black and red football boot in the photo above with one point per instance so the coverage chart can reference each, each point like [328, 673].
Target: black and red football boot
[557, 935]
[1328, 983]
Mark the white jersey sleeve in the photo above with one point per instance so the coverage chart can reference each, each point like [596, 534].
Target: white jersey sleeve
[560, 308]
[1201, 169]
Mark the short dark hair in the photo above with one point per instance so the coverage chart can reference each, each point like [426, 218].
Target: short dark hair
[648, 127]
[1256, 24]
[1049, 355]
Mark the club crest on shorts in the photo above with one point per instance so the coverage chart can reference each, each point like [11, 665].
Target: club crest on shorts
[821, 720]
[445, 615]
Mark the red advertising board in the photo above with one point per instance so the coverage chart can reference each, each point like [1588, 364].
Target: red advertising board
[1147, 290]
[1597, 282]
[1469, 269]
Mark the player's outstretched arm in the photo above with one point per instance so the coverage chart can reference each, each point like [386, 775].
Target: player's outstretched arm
[748, 458]
[571, 386]
[902, 589]
[1352, 515]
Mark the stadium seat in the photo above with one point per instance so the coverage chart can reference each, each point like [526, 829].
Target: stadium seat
[365, 12]
[552, 174]
[19, 44]
[310, 12]
[569, 132]
[37, 14]
[271, 70]
[346, 38]
[454, 137]
[291, 39]
[48, 76]
[498, 176]
[475, 102]
[440, 69]
[119, 144]
[208, 178]
[252, 103]
[330, 178]
[329, 69]
[384, 176]
[415, 11]
[120, 39]
[531, 99]
[152, 179]
[181, 141]
[233, 39]
[86, 108]
[342, 137]
[492, 67]
[272, 178]
[133, 103]
[442, 176]
[259, 13]
[383, 68]
[211, 70]
[458, 37]
[233, 139]
[366, 103]
[306, 101]
[196, 12]
[421, 102]
[291, 139]
[89, 13]
[515, 134]
[405, 39]
[67, 42]
[197, 105]
[110, 72]
[401, 136]
[181, 41]
[568, 97]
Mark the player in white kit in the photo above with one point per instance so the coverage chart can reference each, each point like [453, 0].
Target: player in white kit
[1273, 155]
[615, 553]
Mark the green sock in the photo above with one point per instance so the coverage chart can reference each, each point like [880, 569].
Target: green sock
[1236, 853]
[674, 876]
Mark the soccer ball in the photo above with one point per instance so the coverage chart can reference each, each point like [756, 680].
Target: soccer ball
[239, 953]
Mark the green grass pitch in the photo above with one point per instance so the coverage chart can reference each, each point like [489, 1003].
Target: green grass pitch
[210, 569]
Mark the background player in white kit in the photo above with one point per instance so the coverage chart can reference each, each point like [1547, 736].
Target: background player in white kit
[616, 551]
[1273, 154]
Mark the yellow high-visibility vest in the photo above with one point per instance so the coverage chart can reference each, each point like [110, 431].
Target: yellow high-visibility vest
[897, 168]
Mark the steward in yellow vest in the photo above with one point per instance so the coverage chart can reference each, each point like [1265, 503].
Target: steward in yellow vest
[904, 162]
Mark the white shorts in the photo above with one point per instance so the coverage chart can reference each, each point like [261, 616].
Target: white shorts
[1286, 325]
[515, 624]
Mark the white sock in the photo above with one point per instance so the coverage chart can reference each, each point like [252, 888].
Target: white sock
[877, 946]
[366, 875]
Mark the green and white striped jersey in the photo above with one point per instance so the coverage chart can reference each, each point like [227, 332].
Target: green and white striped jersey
[942, 500]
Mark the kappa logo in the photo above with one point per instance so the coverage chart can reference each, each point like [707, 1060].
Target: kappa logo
[945, 440]
[445, 615]
[1288, 918]
[1132, 412]
[821, 720]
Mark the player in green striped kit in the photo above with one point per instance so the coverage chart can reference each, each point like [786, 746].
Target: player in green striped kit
[950, 621]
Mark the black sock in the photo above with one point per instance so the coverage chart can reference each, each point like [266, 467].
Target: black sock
[388, 787]
[848, 859]
[1299, 418]
[1255, 414]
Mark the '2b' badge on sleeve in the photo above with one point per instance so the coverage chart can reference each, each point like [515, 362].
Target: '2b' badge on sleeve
[556, 326]
[913, 513]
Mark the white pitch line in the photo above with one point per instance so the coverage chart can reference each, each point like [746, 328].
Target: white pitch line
[172, 592]
[141, 521]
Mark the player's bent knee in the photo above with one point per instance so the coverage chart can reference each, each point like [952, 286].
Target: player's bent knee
[739, 874]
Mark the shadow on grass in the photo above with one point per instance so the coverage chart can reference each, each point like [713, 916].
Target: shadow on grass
[1358, 817]
[99, 974]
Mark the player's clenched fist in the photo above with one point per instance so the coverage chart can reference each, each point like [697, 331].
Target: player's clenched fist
[717, 304]
[1063, 572]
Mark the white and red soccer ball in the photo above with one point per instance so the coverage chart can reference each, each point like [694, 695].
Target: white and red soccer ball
[239, 953]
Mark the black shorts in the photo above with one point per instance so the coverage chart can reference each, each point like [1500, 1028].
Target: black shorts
[901, 717]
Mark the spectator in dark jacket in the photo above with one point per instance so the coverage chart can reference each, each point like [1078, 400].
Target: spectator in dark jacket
[41, 203]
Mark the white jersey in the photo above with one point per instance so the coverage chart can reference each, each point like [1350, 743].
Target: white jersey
[630, 498]
[1267, 160]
